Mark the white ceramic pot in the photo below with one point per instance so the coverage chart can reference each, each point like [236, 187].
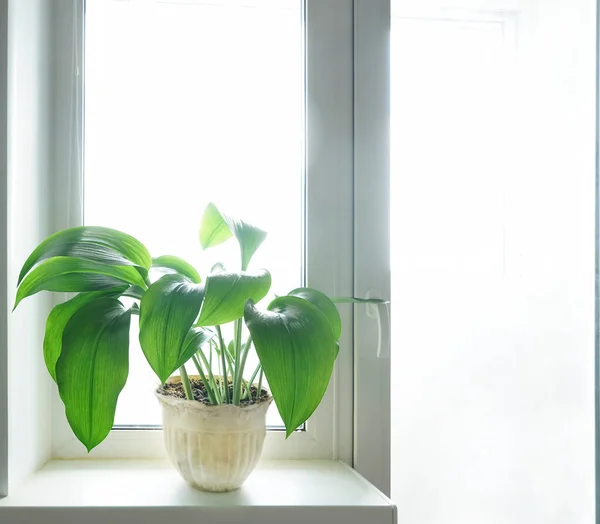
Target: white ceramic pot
[214, 448]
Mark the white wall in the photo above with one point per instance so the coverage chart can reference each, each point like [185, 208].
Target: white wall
[493, 365]
[29, 162]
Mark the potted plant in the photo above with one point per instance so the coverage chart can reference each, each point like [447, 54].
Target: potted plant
[214, 421]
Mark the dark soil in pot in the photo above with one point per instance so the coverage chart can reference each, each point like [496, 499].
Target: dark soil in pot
[175, 389]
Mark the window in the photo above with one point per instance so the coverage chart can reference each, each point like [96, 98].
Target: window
[188, 115]
[342, 238]
[493, 374]
[195, 105]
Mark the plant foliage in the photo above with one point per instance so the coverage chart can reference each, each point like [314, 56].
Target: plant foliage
[182, 318]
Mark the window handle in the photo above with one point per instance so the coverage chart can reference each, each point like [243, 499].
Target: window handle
[381, 312]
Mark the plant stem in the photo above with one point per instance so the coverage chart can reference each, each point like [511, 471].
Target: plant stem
[225, 377]
[241, 366]
[237, 372]
[251, 381]
[221, 392]
[213, 383]
[259, 389]
[247, 347]
[209, 390]
[185, 380]
[229, 363]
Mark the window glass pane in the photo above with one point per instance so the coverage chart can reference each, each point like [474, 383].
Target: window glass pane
[188, 102]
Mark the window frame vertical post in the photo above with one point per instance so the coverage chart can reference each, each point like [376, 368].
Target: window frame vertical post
[371, 236]
[328, 217]
[4, 243]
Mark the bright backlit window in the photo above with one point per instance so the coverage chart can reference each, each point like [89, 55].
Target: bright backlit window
[166, 105]
[188, 103]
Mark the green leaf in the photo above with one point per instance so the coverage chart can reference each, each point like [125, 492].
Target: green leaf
[178, 265]
[231, 349]
[134, 292]
[248, 236]
[227, 293]
[324, 303]
[68, 274]
[93, 366]
[100, 244]
[295, 344]
[167, 311]
[58, 319]
[213, 229]
[194, 340]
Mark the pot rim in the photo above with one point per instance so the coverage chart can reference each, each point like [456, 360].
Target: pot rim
[196, 404]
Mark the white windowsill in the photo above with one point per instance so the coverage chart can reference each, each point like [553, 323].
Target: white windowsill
[151, 491]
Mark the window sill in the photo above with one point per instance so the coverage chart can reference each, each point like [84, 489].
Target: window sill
[151, 491]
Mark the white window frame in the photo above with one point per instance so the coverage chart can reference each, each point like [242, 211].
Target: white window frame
[4, 309]
[372, 273]
[347, 177]
[329, 227]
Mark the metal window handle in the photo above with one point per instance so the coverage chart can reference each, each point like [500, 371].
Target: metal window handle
[382, 313]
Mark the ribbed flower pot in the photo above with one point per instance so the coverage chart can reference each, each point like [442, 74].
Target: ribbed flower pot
[214, 448]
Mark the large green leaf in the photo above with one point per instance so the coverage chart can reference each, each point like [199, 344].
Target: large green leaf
[58, 318]
[227, 293]
[93, 366]
[296, 347]
[69, 274]
[169, 263]
[324, 303]
[167, 311]
[100, 244]
[213, 231]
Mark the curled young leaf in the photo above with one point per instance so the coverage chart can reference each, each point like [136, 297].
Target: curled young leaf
[213, 229]
[217, 227]
[99, 244]
[69, 274]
